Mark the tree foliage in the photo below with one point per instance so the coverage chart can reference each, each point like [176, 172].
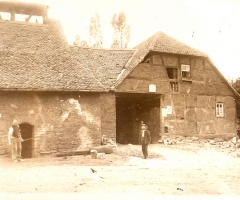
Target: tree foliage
[95, 31]
[121, 31]
[236, 85]
[79, 42]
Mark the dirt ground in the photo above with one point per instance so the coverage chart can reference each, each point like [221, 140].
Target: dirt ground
[171, 172]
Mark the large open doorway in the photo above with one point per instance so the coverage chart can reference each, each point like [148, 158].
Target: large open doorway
[131, 109]
[27, 134]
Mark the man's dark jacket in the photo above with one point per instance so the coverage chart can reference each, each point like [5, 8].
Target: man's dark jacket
[16, 131]
[147, 137]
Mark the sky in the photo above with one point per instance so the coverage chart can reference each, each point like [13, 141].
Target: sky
[211, 26]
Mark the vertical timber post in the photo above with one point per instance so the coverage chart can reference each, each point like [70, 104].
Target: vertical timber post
[161, 117]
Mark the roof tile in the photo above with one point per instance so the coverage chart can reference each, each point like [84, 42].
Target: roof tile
[38, 57]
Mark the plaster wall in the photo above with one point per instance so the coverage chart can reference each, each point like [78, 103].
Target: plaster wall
[61, 121]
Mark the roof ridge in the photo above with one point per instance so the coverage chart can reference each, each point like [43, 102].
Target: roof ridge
[182, 43]
[155, 36]
[99, 48]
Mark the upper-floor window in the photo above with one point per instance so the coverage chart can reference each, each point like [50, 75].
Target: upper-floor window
[172, 73]
[219, 110]
[174, 86]
[185, 71]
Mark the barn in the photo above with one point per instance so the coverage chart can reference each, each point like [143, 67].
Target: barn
[66, 97]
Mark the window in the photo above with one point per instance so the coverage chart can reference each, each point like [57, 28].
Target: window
[174, 86]
[172, 73]
[219, 110]
[185, 72]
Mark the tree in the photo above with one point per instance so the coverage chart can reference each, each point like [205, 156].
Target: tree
[95, 31]
[236, 85]
[78, 42]
[121, 31]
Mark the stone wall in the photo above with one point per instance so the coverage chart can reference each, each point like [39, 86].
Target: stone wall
[193, 105]
[61, 121]
[194, 115]
[144, 75]
[108, 115]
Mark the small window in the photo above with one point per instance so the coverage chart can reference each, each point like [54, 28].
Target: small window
[174, 86]
[219, 110]
[172, 73]
[185, 72]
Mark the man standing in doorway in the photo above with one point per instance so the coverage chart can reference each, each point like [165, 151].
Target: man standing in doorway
[140, 131]
[15, 139]
[145, 140]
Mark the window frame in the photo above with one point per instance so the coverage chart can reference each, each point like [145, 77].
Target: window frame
[174, 72]
[219, 110]
[176, 88]
[173, 80]
[187, 71]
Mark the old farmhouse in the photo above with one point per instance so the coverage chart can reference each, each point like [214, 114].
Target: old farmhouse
[66, 97]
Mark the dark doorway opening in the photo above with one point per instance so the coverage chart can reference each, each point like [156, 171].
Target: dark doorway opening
[27, 134]
[131, 109]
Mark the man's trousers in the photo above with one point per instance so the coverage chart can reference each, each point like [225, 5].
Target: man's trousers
[16, 148]
[145, 150]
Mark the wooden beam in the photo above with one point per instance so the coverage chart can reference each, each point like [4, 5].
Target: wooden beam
[29, 17]
[12, 15]
[161, 117]
[152, 98]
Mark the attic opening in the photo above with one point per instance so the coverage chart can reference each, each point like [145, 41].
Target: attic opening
[27, 135]
[131, 109]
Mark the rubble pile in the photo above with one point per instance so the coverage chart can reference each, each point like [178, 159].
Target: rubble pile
[231, 146]
[132, 150]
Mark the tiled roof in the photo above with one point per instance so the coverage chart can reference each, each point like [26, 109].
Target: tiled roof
[160, 42]
[104, 64]
[31, 38]
[111, 67]
[38, 57]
